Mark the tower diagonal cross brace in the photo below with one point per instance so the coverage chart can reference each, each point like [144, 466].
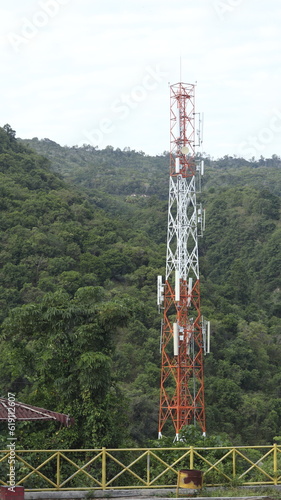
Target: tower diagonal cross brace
[182, 349]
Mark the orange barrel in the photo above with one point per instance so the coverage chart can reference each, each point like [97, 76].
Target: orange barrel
[190, 478]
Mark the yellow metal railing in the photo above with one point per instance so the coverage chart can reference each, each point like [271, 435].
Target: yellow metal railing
[133, 468]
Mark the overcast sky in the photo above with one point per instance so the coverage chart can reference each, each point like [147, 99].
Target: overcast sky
[98, 71]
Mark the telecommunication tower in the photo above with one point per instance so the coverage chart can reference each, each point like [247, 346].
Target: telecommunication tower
[185, 335]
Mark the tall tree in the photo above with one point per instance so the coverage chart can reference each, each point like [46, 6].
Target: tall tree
[58, 354]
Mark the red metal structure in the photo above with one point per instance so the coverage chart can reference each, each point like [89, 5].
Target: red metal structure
[18, 411]
[183, 336]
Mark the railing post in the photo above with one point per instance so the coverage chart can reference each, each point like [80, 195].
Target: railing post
[275, 465]
[148, 469]
[191, 462]
[103, 469]
[234, 463]
[58, 469]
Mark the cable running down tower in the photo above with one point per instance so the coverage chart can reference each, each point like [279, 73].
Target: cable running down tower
[183, 336]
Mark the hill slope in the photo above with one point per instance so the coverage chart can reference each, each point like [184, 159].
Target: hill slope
[97, 239]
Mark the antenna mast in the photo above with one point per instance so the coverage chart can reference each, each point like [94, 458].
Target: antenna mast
[183, 338]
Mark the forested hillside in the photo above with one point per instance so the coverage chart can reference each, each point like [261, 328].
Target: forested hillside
[83, 238]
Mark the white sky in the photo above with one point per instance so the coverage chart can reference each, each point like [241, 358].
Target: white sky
[98, 71]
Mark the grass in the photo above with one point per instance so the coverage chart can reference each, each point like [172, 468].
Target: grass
[236, 491]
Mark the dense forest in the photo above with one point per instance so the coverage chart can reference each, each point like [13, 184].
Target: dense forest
[82, 240]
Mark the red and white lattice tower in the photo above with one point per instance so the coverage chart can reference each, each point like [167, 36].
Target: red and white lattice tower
[183, 335]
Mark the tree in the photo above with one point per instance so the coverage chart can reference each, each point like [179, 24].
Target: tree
[10, 132]
[58, 355]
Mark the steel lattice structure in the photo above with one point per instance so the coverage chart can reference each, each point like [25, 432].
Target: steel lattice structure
[183, 329]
